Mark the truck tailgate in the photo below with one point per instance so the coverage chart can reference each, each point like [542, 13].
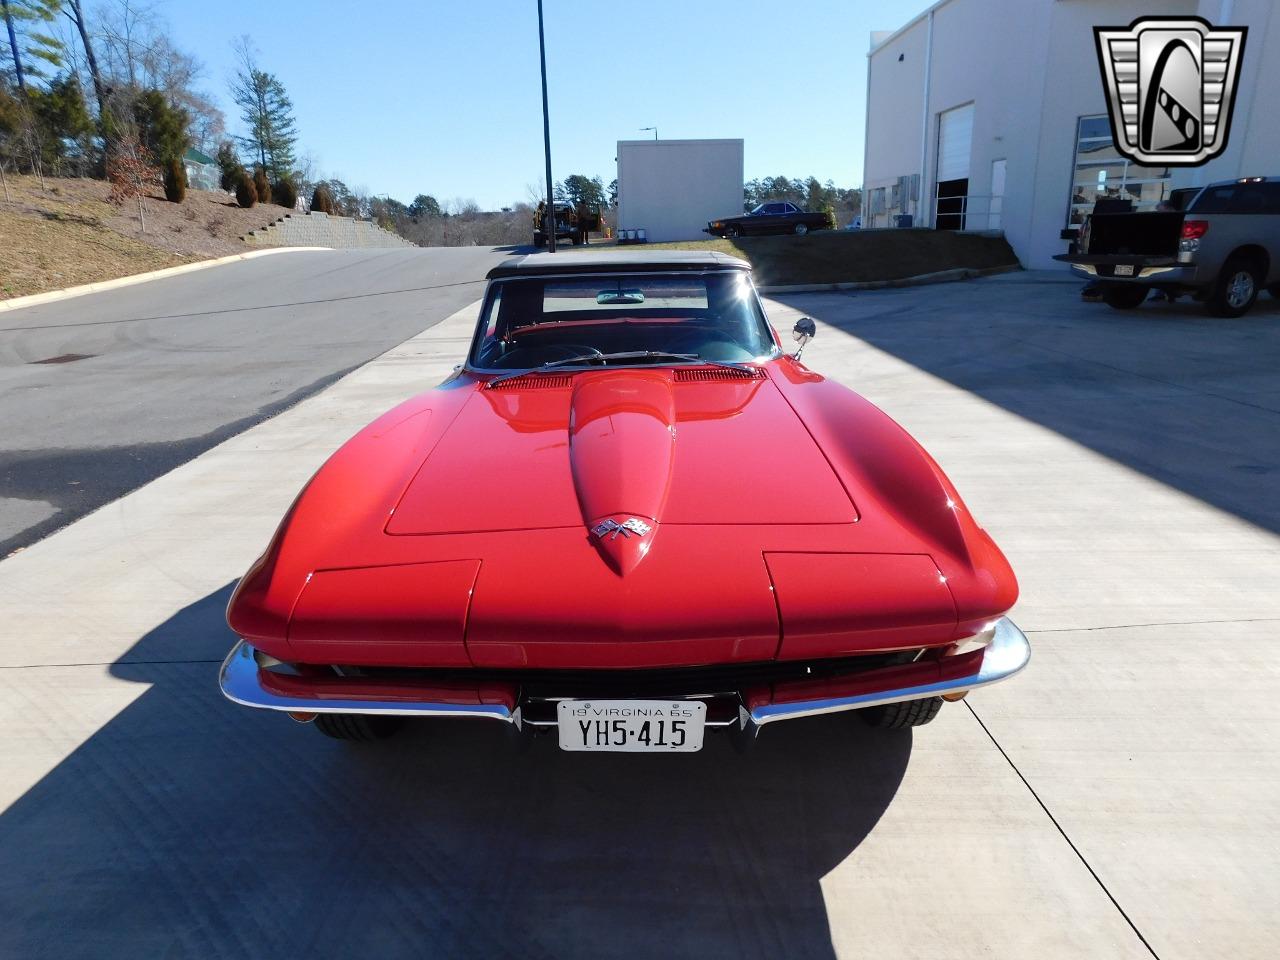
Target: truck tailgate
[1143, 234]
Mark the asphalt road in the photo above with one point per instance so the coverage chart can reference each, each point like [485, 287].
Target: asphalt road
[174, 366]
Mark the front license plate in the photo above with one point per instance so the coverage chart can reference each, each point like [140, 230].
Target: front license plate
[631, 726]
[1124, 269]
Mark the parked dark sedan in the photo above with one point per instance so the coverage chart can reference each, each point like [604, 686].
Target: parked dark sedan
[779, 217]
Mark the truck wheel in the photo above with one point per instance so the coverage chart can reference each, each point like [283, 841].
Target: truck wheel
[908, 713]
[1126, 297]
[357, 726]
[801, 229]
[1236, 288]
[732, 232]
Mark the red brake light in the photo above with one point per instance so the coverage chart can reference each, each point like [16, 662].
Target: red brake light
[1194, 229]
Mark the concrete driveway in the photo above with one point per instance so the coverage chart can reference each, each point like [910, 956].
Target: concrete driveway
[1115, 800]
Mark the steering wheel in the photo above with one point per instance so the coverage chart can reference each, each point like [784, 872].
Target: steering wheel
[699, 342]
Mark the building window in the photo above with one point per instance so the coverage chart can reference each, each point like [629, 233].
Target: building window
[1100, 171]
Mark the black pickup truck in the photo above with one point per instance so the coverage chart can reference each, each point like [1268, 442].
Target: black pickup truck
[1223, 249]
[779, 217]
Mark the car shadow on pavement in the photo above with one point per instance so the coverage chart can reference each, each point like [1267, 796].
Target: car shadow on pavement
[1187, 399]
[190, 827]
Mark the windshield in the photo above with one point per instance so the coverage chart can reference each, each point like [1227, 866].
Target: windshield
[538, 320]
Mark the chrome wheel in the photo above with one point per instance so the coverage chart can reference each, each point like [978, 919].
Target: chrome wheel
[801, 229]
[1240, 289]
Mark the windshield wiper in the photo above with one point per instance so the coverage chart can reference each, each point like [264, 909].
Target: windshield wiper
[625, 355]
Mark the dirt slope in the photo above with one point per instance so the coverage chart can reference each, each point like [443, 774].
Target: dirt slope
[68, 234]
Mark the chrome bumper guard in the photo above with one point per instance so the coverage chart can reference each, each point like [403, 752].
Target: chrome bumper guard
[1006, 655]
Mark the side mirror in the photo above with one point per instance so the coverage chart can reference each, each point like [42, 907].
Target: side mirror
[804, 331]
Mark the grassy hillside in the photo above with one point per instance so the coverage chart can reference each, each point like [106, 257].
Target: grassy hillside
[842, 256]
[67, 234]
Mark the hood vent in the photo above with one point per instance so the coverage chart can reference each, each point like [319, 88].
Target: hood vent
[532, 381]
[716, 374]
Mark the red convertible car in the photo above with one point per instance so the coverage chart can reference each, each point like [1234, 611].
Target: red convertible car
[628, 518]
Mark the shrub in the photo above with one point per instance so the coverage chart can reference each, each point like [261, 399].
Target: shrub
[230, 170]
[175, 181]
[246, 191]
[261, 185]
[830, 213]
[285, 193]
[321, 200]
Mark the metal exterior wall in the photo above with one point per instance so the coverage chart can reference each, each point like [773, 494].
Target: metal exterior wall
[671, 188]
[1030, 69]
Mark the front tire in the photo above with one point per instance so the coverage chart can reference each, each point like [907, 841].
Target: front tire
[1127, 297]
[732, 233]
[908, 713]
[1236, 289]
[801, 229]
[357, 727]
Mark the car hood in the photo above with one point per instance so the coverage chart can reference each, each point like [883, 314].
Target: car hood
[684, 446]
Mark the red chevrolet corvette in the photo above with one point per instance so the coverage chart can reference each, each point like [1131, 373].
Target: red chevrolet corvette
[629, 517]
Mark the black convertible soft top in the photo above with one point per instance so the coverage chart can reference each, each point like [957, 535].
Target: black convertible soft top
[627, 261]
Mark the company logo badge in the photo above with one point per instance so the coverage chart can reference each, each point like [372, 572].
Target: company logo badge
[1171, 87]
[634, 525]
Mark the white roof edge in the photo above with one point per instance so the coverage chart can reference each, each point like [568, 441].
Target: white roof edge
[650, 141]
[922, 15]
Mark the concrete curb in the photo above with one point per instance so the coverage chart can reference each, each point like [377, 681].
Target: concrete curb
[941, 276]
[50, 296]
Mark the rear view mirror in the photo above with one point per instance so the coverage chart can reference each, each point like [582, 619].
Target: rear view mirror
[804, 331]
[610, 297]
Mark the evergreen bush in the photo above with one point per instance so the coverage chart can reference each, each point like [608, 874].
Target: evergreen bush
[246, 191]
[175, 181]
[321, 200]
[262, 185]
[284, 193]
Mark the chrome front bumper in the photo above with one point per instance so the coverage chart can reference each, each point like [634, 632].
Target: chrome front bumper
[241, 681]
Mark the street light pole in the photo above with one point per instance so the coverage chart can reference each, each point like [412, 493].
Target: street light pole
[549, 218]
[654, 129]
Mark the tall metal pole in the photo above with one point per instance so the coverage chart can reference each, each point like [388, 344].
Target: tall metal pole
[549, 218]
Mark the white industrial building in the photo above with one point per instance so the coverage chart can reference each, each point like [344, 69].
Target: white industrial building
[991, 114]
[670, 189]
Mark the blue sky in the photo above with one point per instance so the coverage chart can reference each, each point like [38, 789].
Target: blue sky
[443, 97]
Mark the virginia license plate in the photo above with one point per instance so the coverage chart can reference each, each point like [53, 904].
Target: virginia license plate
[631, 726]
[1124, 269]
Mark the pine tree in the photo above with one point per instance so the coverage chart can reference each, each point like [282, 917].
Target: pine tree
[33, 51]
[161, 125]
[267, 113]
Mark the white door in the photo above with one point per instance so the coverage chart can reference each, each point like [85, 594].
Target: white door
[995, 217]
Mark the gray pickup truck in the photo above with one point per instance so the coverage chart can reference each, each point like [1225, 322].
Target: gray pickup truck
[1223, 249]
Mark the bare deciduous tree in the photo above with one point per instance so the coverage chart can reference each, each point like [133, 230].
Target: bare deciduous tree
[131, 171]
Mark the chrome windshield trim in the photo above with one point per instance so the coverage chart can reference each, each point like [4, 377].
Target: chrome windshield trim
[239, 682]
[774, 353]
[1006, 655]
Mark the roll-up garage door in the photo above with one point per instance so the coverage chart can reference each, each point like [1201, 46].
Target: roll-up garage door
[955, 142]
